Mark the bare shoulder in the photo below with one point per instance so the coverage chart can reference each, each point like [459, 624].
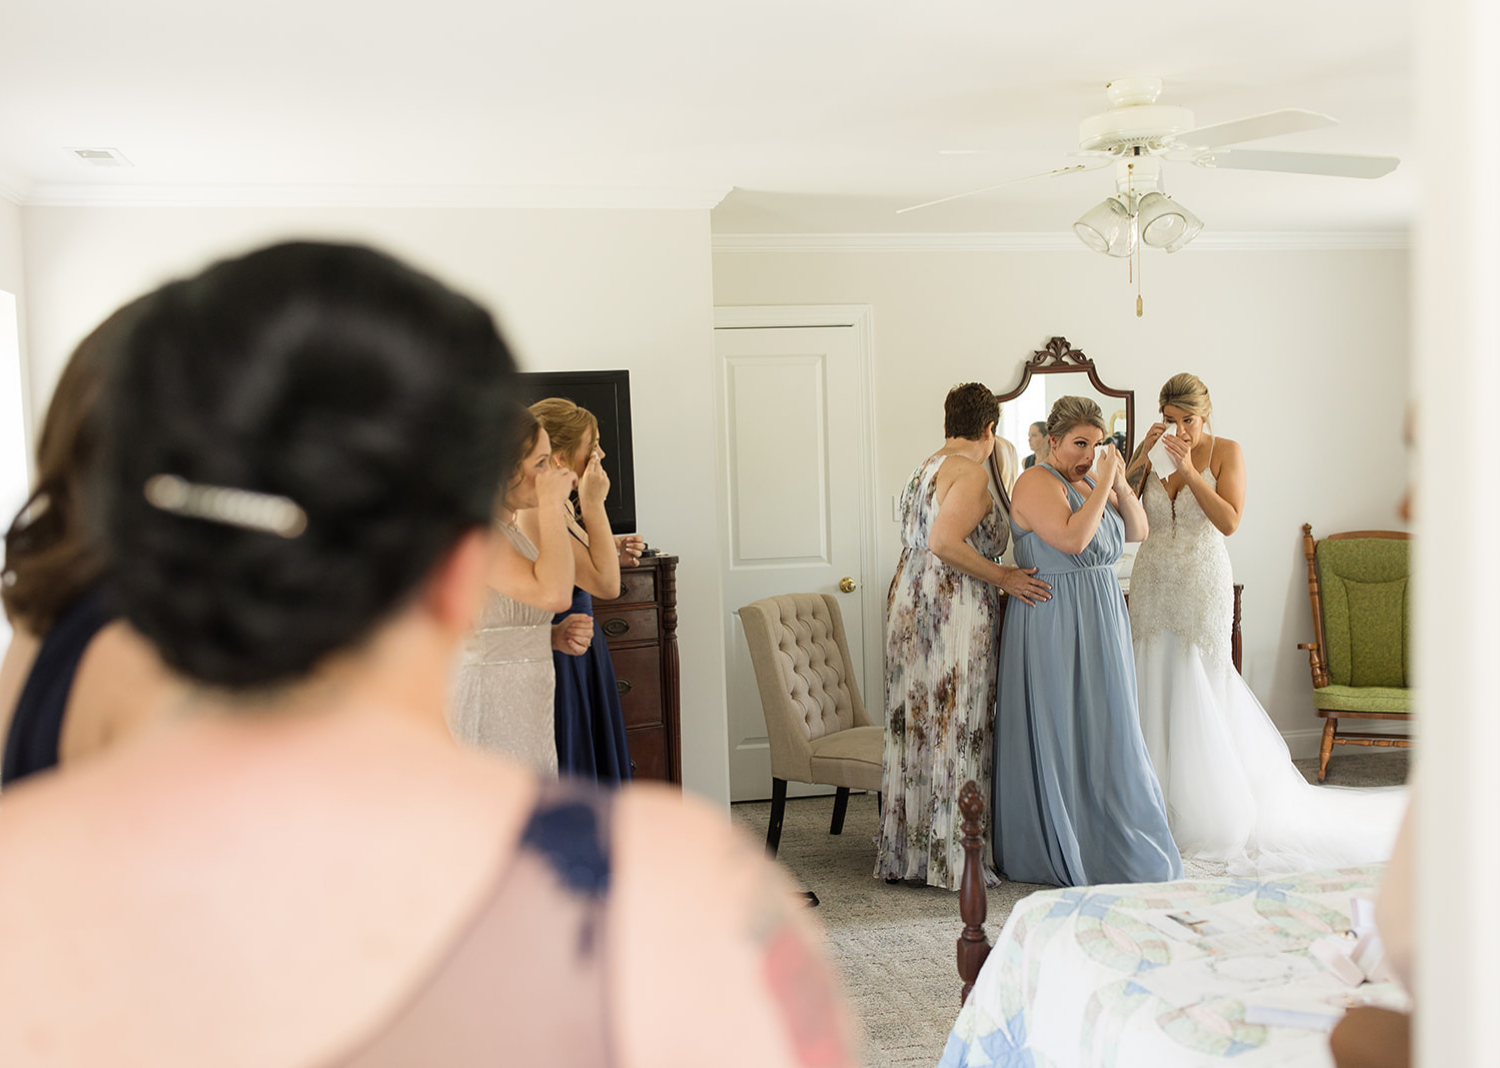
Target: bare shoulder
[695, 898]
[121, 684]
[1037, 481]
[957, 469]
[1227, 454]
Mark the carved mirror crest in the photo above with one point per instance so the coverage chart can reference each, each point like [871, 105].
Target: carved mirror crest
[1031, 401]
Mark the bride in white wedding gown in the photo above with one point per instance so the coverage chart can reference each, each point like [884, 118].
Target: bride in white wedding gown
[1232, 792]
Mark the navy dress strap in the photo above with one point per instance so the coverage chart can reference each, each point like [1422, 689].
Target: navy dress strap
[36, 727]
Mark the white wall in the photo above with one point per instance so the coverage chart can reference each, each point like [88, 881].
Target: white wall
[1304, 352]
[573, 289]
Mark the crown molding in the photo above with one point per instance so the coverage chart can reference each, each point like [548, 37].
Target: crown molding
[12, 188]
[1324, 241]
[260, 196]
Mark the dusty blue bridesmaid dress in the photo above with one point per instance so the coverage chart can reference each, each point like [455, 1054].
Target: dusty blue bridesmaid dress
[1076, 802]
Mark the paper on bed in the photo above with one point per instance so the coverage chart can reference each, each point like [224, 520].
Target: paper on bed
[1314, 1007]
[1186, 983]
[1217, 933]
[1161, 460]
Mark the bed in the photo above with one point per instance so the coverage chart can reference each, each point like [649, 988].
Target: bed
[1193, 972]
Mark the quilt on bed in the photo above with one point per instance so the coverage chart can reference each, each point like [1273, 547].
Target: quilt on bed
[1162, 974]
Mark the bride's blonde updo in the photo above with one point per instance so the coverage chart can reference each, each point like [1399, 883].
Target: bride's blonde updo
[1069, 412]
[1186, 391]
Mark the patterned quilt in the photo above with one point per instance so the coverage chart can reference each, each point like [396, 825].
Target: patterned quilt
[1162, 974]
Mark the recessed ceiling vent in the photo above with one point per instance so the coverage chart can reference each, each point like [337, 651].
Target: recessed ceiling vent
[102, 157]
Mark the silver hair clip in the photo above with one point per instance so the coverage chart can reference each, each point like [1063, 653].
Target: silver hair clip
[281, 516]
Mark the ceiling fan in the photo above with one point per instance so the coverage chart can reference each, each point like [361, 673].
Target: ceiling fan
[1137, 134]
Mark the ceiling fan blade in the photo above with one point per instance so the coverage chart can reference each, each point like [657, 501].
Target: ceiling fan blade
[1253, 128]
[1332, 163]
[1076, 168]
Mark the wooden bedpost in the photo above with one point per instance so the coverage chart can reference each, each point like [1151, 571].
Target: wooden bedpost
[973, 905]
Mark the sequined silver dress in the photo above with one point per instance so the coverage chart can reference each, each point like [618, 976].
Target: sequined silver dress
[501, 698]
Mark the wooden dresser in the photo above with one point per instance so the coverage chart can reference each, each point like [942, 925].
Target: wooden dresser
[641, 628]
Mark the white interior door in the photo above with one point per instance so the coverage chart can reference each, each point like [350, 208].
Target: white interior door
[799, 466]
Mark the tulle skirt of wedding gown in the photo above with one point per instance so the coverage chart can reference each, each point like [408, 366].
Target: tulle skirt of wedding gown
[1232, 792]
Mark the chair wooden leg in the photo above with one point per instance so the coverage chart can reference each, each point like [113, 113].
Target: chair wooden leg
[840, 806]
[778, 810]
[1330, 728]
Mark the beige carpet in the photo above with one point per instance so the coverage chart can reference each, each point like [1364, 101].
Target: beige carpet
[895, 945]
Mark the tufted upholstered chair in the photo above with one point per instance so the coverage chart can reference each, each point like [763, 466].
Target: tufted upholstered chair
[1360, 653]
[817, 725]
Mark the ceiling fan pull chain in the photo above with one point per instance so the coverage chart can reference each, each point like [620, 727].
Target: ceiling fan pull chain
[1139, 305]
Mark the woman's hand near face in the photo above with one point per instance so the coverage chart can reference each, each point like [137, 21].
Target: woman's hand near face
[1182, 456]
[1156, 431]
[553, 484]
[1110, 469]
[596, 554]
[593, 487]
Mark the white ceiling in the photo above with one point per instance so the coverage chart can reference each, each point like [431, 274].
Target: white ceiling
[820, 115]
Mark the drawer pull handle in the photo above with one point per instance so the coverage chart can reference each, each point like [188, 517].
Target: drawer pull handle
[615, 627]
[632, 767]
[622, 686]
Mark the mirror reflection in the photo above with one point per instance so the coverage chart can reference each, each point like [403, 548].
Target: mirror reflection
[1023, 419]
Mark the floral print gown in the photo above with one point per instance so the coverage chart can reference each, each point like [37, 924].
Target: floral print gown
[941, 635]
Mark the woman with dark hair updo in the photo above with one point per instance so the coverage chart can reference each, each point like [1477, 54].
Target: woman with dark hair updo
[75, 679]
[294, 494]
[1076, 802]
[942, 619]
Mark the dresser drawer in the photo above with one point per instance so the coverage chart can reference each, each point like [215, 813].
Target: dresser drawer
[648, 752]
[637, 586]
[638, 681]
[627, 624]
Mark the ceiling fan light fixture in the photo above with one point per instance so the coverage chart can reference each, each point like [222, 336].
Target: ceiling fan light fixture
[1106, 228]
[1161, 220]
[1192, 226]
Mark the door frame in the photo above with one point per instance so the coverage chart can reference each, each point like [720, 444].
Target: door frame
[862, 319]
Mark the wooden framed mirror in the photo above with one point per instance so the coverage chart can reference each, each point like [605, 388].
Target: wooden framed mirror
[1032, 400]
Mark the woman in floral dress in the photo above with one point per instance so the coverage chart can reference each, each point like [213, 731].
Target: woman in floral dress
[942, 628]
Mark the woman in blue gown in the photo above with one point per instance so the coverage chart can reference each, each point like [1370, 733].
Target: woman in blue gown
[588, 721]
[1076, 802]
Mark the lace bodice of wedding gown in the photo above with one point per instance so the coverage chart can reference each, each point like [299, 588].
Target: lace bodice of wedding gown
[1181, 580]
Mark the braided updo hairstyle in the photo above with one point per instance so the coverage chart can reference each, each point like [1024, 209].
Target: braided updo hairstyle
[369, 394]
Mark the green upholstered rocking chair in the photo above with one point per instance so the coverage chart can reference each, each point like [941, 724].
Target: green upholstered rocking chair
[1359, 584]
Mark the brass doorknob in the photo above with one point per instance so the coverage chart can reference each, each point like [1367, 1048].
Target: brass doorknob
[848, 585]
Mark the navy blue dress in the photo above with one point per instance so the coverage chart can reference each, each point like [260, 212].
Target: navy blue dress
[587, 719]
[36, 727]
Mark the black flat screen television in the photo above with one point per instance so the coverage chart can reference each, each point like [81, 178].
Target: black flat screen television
[607, 395]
